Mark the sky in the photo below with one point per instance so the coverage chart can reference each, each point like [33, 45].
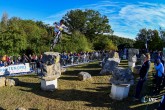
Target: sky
[126, 17]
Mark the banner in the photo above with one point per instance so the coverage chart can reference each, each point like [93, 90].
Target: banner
[14, 69]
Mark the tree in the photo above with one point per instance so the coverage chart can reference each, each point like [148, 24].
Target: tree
[16, 40]
[77, 42]
[4, 22]
[155, 42]
[162, 34]
[89, 22]
[102, 42]
[75, 20]
[3, 27]
[151, 37]
[121, 42]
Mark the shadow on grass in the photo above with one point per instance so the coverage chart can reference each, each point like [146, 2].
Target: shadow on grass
[69, 78]
[95, 99]
[123, 64]
[98, 98]
[27, 75]
[101, 89]
[75, 72]
[92, 65]
[101, 83]
[88, 65]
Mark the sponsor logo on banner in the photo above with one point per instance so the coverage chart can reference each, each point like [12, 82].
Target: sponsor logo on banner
[14, 69]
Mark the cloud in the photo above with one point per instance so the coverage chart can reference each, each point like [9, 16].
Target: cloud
[126, 19]
[135, 17]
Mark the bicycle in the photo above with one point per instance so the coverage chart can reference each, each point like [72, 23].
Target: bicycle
[55, 41]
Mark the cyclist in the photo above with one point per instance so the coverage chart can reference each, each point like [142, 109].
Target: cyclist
[59, 27]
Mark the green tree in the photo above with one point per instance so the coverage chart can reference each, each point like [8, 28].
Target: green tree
[33, 34]
[77, 42]
[151, 37]
[17, 35]
[4, 22]
[3, 30]
[142, 37]
[102, 42]
[155, 42]
[121, 42]
[75, 20]
[89, 22]
[13, 38]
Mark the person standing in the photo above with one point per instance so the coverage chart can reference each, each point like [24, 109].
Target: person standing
[143, 75]
[1, 63]
[159, 75]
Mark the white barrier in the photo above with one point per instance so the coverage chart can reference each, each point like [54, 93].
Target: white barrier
[14, 69]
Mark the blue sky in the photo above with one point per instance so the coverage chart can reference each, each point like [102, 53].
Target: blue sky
[126, 17]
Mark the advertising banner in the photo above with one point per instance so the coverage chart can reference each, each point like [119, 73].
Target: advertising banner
[12, 69]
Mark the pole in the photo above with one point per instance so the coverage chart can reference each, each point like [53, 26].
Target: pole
[146, 45]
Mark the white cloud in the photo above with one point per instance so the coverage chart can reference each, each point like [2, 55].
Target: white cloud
[126, 19]
[139, 16]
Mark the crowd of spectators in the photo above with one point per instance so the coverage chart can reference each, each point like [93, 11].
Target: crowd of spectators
[69, 58]
[82, 57]
[13, 60]
[65, 58]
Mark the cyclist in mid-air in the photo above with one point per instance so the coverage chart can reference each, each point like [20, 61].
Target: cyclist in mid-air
[59, 27]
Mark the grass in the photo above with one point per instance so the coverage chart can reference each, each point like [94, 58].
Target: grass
[71, 94]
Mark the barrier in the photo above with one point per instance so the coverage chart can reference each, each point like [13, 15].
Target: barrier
[13, 69]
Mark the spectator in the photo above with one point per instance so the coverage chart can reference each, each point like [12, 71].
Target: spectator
[143, 74]
[71, 58]
[12, 62]
[4, 58]
[96, 55]
[1, 63]
[30, 58]
[24, 59]
[159, 75]
[84, 57]
[63, 59]
[39, 65]
[19, 59]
